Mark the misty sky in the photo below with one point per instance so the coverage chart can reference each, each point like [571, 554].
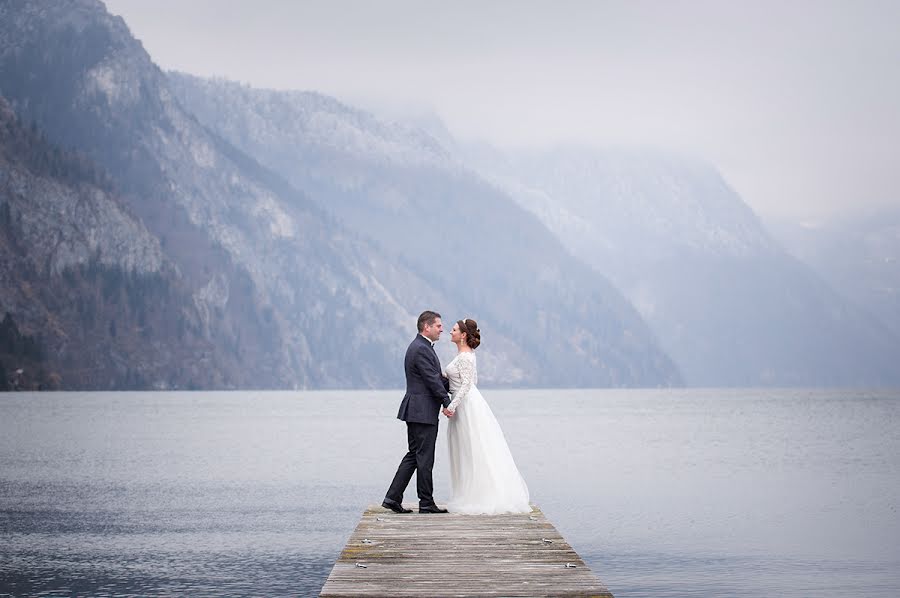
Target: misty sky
[796, 102]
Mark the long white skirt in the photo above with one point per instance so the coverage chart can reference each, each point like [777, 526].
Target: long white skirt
[484, 478]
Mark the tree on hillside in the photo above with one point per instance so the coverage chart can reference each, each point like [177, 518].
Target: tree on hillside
[4, 380]
[5, 215]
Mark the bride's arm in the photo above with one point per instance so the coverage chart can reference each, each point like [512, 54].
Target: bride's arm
[466, 369]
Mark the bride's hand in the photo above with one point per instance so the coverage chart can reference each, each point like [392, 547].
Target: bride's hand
[448, 412]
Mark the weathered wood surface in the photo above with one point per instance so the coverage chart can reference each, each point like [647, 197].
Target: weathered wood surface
[443, 555]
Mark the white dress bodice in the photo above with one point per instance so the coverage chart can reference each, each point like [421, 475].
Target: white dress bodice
[463, 376]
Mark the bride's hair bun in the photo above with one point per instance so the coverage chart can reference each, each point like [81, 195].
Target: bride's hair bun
[473, 334]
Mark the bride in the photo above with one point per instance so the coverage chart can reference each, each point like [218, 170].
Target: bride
[483, 476]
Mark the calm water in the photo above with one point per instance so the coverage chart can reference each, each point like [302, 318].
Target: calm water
[664, 493]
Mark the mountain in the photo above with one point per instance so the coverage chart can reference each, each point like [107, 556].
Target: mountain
[99, 304]
[304, 266]
[728, 303]
[283, 293]
[399, 187]
[859, 256]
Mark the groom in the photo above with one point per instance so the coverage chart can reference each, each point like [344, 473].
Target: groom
[426, 391]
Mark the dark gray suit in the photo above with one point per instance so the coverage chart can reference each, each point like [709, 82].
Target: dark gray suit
[426, 392]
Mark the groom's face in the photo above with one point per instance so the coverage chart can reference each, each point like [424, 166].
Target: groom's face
[434, 331]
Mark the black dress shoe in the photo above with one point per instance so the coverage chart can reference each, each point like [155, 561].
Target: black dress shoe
[396, 508]
[432, 509]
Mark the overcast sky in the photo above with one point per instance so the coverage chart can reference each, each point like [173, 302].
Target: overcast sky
[796, 102]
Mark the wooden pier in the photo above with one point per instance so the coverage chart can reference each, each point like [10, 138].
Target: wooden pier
[443, 555]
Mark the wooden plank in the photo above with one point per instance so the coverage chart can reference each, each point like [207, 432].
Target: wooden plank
[444, 555]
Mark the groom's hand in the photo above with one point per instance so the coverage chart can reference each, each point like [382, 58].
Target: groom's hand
[448, 412]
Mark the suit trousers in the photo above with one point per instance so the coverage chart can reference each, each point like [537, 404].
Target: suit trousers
[420, 459]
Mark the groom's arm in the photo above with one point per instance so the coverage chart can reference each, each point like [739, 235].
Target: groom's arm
[432, 377]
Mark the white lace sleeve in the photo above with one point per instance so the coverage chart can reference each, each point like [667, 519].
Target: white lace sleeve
[466, 367]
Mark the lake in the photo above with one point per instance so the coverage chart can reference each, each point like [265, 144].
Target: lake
[666, 493]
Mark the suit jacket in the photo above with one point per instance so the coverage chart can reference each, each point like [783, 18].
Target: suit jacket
[426, 389]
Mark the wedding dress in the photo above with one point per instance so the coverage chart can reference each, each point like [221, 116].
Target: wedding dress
[484, 478]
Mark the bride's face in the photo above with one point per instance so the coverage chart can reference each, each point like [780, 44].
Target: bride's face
[455, 334]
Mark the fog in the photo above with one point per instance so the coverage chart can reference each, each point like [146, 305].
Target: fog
[796, 102]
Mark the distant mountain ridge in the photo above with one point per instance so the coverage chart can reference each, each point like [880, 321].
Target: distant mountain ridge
[728, 303]
[859, 256]
[275, 268]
